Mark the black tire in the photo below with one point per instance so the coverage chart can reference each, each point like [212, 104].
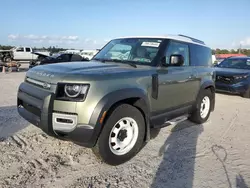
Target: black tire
[246, 94]
[7, 59]
[196, 115]
[102, 149]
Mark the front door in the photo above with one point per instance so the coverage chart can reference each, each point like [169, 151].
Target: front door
[28, 54]
[19, 53]
[178, 86]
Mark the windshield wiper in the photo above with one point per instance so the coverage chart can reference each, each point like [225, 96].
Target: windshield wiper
[125, 62]
[102, 60]
[132, 64]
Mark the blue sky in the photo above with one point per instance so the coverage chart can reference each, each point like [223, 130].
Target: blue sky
[91, 23]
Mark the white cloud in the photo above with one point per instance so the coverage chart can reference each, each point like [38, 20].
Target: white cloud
[72, 41]
[13, 37]
[245, 43]
[45, 38]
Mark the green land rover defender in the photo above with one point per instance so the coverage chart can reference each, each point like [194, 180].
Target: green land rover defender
[130, 87]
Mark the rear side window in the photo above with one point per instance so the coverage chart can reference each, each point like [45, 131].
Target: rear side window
[27, 49]
[200, 55]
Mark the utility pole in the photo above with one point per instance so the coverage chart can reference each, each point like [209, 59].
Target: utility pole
[240, 49]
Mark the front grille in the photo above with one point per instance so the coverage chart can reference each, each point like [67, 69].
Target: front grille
[31, 98]
[38, 83]
[225, 79]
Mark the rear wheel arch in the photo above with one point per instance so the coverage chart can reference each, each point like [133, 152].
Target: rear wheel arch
[211, 86]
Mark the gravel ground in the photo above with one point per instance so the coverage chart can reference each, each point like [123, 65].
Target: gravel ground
[215, 154]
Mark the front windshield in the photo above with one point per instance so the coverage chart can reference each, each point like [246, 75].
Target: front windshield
[54, 56]
[237, 63]
[133, 50]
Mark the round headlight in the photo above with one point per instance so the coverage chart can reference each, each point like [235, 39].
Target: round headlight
[72, 90]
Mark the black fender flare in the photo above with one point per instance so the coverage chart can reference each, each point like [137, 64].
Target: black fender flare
[208, 84]
[112, 98]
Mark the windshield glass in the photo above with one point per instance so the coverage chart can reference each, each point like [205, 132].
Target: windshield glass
[239, 63]
[54, 56]
[135, 50]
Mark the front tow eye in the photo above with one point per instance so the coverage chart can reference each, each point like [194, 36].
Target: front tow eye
[122, 135]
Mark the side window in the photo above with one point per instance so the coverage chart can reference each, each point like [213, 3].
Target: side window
[20, 49]
[200, 55]
[76, 57]
[27, 49]
[180, 49]
[63, 58]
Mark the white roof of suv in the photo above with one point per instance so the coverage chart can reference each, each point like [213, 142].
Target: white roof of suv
[182, 38]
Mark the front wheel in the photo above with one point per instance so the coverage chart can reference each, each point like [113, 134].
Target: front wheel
[122, 136]
[203, 110]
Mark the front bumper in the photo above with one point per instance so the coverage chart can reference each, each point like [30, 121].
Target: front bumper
[36, 106]
[237, 88]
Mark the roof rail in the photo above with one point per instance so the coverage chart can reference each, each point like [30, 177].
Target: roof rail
[193, 39]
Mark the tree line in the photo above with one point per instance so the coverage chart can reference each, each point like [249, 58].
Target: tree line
[225, 51]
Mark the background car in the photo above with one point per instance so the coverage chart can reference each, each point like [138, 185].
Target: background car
[88, 54]
[57, 58]
[233, 76]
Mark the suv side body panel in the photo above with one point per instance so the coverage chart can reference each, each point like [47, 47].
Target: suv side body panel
[178, 86]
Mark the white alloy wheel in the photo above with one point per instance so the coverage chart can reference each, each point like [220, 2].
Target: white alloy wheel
[123, 136]
[205, 107]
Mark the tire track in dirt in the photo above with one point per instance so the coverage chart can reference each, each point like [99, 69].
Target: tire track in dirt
[43, 165]
[19, 141]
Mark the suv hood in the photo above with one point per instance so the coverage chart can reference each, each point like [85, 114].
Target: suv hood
[231, 71]
[52, 73]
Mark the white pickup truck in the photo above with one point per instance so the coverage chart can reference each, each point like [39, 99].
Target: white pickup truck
[21, 54]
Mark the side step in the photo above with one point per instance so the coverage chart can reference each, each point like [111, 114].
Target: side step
[177, 120]
[173, 122]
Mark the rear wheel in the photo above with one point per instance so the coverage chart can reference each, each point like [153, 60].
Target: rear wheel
[7, 59]
[246, 94]
[203, 110]
[122, 136]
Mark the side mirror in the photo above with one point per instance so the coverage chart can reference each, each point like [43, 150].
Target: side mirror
[176, 60]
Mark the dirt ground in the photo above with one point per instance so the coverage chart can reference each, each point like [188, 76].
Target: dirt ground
[215, 154]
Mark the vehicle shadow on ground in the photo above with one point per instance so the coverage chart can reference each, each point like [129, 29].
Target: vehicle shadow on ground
[240, 182]
[178, 152]
[10, 122]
